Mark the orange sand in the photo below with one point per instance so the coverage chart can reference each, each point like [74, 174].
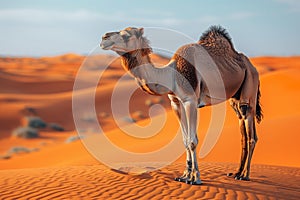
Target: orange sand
[63, 171]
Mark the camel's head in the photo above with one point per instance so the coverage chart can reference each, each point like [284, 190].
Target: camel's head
[124, 41]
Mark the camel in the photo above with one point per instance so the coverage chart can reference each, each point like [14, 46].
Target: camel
[200, 74]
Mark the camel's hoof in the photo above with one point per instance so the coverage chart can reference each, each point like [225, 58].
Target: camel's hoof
[179, 179]
[184, 180]
[234, 175]
[241, 178]
[193, 182]
[229, 174]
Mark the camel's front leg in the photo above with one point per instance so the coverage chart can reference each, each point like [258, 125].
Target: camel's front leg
[180, 112]
[191, 140]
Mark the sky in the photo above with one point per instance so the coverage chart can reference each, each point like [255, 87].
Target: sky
[54, 27]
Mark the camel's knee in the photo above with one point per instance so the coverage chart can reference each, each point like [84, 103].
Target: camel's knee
[245, 111]
[193, 144]
[252, 143]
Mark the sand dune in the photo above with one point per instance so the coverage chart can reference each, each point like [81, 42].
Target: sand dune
[63, 171]
[99, 182]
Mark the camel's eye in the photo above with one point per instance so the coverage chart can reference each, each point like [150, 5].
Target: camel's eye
[125, 35]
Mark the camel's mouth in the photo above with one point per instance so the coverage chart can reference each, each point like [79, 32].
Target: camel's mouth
[109, 45]
[106, 45]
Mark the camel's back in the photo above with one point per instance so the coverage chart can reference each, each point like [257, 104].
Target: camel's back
[212, 62]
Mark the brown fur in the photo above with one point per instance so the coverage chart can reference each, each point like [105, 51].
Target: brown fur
[185, 67]
[217, 43]
[217, 38]
[129, 59]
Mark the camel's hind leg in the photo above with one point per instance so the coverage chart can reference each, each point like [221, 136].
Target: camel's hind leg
[245, 106]
[249, 138]
[234, 104]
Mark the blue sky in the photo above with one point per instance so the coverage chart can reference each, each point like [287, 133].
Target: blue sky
[53, 27]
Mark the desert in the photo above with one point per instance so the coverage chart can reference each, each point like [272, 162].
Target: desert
[57, 165]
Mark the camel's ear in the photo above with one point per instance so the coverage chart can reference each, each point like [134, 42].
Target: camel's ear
[141, 31]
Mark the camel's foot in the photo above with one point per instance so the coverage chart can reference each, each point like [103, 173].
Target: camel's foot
[239, 176]
[184, 177]
[197, 182]
[192, 179]
[188, 181]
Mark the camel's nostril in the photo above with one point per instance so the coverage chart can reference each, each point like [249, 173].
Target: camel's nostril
[104, 37]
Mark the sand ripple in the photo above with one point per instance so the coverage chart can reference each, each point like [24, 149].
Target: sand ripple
[99, 182]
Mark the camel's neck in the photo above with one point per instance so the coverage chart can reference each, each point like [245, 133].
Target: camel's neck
[153, 80]
[136, 58]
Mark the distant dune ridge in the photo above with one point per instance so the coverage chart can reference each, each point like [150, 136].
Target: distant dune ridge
[61, 170]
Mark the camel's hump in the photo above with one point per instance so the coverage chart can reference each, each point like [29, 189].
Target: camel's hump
[217, 38]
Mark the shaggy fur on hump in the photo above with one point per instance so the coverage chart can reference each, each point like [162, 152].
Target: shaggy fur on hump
[211, 35]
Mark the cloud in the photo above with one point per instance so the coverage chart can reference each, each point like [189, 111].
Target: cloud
[34, 15]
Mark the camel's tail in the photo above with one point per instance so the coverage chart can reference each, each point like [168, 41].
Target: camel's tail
[259, 113]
